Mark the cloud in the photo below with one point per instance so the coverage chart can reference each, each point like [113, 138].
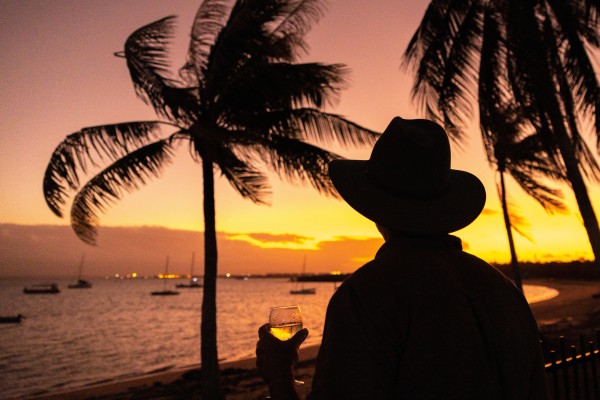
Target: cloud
[268, 240]
[54, 251]
[489, 211]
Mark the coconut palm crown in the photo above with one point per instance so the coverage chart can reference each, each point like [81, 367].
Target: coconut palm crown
[530, 56]
[243, 105]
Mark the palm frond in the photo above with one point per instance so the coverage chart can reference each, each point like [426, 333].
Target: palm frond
[281, 86]
[126, 174]
[582, 80]
[587, 161]
[208, 22]
[298, 18]
[248, 181]
[299, 162]
[436, 31]
[515, 221]
[579, 17]
[520, 225]
[550, 199]
[254, 33]
[90, 146]
[495, 96]
[306, 124]
[241, 37]
[444, 50]
[147, 60]
[332, 129]
[457, 92]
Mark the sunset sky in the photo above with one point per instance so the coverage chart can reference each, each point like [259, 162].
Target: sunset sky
[58, 74]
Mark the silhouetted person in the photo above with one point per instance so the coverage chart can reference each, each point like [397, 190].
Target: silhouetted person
[423, 320]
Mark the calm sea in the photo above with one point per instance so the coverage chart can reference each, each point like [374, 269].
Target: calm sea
[118, 330]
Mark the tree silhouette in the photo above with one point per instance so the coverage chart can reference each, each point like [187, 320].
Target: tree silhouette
[537, 52]
[242, 104]
[512, 151]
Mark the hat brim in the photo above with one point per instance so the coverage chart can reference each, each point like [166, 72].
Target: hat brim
[452, 210]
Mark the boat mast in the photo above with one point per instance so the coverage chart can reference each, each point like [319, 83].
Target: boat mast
[192, 269]
[165, 276]
[303, 272]
[81, 267]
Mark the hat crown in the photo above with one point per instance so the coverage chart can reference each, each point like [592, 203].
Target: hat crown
[411, 158]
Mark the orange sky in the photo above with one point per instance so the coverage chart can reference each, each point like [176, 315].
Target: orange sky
[58, 74]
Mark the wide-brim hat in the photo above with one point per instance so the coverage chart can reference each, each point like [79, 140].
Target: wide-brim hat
[407, 183]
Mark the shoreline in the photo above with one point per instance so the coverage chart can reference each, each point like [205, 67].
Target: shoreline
[573, 311]
[307, 355]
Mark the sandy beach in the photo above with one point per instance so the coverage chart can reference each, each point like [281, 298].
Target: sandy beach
[575, 310]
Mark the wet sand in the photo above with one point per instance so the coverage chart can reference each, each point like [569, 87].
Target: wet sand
[572, 312]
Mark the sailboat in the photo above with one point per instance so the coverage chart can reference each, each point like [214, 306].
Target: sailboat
[302, 289]
[194, 283]
[81, 283]
[165, 292]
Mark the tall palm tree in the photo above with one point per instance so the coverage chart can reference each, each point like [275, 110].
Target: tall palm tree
[537, 52]
[242, 104]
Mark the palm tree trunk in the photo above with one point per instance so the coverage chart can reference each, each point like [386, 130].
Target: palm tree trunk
[590, 222]
[567, 152]
[211, 380]
[514, 263]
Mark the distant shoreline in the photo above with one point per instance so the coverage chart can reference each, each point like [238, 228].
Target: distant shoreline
[562, 270]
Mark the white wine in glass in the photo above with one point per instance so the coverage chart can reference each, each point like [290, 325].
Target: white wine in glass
[285, 321]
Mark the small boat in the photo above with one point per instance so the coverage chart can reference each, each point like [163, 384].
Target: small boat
[51, 288]
[11, 319]
[194, 283]
[302, 289]
[81, 283]
[165, 292]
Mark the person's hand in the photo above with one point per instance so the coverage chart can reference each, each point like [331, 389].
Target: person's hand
[275, 360]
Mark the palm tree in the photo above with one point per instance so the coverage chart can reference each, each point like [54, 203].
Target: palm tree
[242, 104]
[537, 52]
[521, 155]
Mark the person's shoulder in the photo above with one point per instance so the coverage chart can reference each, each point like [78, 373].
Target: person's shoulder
[491, 278]
[482, 266]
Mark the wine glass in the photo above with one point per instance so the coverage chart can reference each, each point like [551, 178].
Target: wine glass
[285, 321]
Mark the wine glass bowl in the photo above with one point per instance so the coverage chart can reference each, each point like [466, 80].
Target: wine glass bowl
[285, 321]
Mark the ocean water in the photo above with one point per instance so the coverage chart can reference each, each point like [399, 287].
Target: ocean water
[117, 330]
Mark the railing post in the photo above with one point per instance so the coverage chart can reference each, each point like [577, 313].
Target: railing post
[555, 384]
[584, 368]
[565, 367]
[593, 358]
[575, 372]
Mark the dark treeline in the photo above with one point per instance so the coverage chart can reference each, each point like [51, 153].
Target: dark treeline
[571, 270]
